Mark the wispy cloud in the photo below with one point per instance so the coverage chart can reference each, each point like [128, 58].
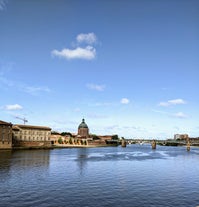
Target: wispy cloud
[13, 107]
[6, 68]
[95, 87]
[172, 102]
[88, 52]
[97, 116]
[3, 4]
[77, 110]
[180, 115]
[111, 127]
[5, 81]
[124, 101]
[89, 38]
[158, 111]
[103, 104]
[35, 90]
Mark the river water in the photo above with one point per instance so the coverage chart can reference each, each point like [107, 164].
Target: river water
[135, 176]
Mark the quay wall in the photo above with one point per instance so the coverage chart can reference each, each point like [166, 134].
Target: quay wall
[5, 145]
[32, 144]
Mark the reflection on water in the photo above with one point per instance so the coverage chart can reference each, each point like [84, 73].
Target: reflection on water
[5, 162]
[23, 161]
[82, 157]
[112, 176]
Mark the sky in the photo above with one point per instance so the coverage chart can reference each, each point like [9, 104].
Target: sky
[129, 67]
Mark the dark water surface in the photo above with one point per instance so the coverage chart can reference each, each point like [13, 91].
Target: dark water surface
[135, 176]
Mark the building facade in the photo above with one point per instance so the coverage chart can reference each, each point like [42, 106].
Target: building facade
[5, 135]
[31, 136]
[181, 136]
[83, 130]
[57, 138]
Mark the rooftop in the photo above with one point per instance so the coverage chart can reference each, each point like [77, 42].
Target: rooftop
[83, 124]
[4, 123]
[31, 127]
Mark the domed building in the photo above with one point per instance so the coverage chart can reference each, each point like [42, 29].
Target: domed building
[83, 130]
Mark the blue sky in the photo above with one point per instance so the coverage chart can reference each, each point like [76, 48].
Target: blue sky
[128, 67]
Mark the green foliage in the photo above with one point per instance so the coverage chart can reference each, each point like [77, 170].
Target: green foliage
[70, 141]
[60, 141]
[95, 137]
[66, 133]
[115, 137]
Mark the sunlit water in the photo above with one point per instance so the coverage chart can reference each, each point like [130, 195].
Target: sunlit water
[135, 176]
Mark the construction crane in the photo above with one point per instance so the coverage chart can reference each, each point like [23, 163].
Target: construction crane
[23, 119]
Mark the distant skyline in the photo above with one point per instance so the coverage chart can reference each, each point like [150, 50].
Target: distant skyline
[128, 67]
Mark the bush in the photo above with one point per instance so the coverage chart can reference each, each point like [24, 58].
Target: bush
[60, 141]
[70, 141]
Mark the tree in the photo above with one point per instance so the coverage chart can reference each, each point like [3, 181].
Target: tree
[60, 141]
[70, 141]
[115, 137]
[95, 137]
[66, 133]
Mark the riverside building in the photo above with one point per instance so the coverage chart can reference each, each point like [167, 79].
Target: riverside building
[31, 136]
[83, 130]
[181, 136]
[5, 135]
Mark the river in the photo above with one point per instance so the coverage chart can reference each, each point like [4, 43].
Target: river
[135, 176]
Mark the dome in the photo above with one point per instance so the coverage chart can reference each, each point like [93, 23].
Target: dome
[83, 124]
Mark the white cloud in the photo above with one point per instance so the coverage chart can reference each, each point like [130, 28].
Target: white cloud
[96, 87]
[124, 101]
[2, 5]
[80, 52]
[176, 101]
[13, 107]
[172, 102]
[87, 53]
[89, 38]
[180, 115]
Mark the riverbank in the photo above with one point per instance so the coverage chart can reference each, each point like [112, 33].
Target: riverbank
[80, 146]
[60, 146]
